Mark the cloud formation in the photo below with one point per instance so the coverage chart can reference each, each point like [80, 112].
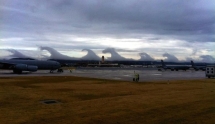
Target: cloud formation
[114, 54]
[170, 58]
[56, 55]
[155, 25]
[207, 58]
[90, 55]
[17, 54]
[145, 57]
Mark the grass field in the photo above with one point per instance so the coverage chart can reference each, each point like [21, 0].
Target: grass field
[92, 101]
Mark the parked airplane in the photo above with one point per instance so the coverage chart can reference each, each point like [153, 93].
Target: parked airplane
[197, 67]
[29, 65]
[174, 67]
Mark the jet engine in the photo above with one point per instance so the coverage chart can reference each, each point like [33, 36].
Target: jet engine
[24, 67]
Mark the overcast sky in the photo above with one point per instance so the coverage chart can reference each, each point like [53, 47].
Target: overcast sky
[184, 29]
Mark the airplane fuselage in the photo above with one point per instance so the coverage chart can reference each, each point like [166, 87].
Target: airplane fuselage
[179, 67]
[174, 67]
[199, 68]
[28, 65]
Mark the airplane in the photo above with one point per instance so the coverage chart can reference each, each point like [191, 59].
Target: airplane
[29, 65]
[197, 67]
[174, 67]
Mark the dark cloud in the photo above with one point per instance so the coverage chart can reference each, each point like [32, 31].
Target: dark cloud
[58, 23]
[179, 19]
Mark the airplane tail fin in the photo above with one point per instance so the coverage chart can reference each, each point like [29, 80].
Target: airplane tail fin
[192, 63]
[163, 64]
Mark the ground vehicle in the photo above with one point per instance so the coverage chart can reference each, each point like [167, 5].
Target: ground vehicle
[210, 71]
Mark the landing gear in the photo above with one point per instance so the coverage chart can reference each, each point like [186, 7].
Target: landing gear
[17, 71]
[60, 70]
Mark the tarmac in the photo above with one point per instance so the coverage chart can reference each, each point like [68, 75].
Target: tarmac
[126, 74]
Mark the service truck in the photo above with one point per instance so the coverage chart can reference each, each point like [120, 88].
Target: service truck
[210, 71]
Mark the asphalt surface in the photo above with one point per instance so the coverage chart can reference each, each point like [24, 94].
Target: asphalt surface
[127, 74]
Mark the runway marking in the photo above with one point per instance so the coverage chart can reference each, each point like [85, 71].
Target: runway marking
[127, 75]
[117, 78]
[156, 74]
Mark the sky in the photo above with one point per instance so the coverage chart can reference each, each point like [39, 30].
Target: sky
[173, 30]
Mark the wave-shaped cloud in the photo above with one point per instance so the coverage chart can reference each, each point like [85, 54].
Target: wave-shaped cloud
[56, 55]
[170, 57]
[114, 54]
[207, 58]
[16, 54]
[90, 55]
[145, 57]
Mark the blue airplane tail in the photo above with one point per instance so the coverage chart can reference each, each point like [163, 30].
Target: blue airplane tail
[163, 64]
[192, 63]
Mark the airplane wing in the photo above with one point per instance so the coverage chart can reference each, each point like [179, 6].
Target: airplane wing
[5, 65]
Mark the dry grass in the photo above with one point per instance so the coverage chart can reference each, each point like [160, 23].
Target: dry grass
[87, 100]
